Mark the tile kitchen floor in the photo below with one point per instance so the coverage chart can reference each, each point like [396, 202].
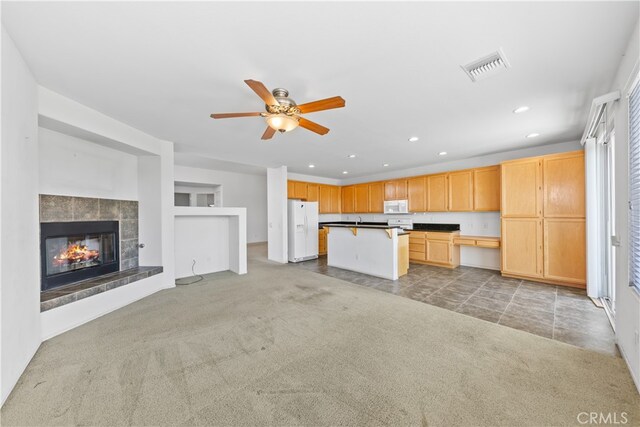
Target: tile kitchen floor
[556, 312]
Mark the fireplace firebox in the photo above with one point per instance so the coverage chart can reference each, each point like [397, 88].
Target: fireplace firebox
[74, 251]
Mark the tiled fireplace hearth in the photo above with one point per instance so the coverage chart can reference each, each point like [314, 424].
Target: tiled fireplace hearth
[88, 246]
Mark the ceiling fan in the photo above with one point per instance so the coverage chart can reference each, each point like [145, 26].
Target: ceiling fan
[282, 113]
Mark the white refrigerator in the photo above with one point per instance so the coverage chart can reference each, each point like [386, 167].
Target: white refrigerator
[303, 230]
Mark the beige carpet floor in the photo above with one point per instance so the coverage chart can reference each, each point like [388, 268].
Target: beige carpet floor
[282, 346]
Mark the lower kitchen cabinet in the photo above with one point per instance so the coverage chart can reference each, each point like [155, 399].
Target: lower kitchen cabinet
[417, 246]
[522, 247]
[322, 241]
[565, 250]
[434, 248]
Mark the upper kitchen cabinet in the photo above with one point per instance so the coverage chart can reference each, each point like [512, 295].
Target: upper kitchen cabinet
[395, 190]
[486, 189]
[417, 191]
[564, 188]
[335, 199]
[291, 189]
[376, 197]
[437, 193]
[324, 205]
[296, 190]
[461, 191]
[522, 188]
[313, 192]
[361, 198]
[329, 199]
[348, 199]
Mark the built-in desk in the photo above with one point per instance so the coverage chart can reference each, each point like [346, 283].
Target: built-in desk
[478, 241]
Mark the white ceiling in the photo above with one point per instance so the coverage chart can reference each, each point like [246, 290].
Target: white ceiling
[163, 67]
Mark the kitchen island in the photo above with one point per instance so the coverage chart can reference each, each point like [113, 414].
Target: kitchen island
[377, 250]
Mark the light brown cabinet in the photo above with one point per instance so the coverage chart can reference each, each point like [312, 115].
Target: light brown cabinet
[461, 191]
[322, 241]
[313, 192]
[436, 248]
[348, 199]
[417, 245]
[435, 193]
[361, 198]
[522, 188]
[486, 189]
[563, 189]
[297, 190]
[376, 197]
[522, 247]
[437, 196]
[417, 192]
[395, 190]
[336, 199]
[324, 202]
[329, 199]
[565, 250]
[543, 219]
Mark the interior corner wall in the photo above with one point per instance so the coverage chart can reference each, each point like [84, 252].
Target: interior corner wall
[238, 190]
[69, 166]
[627, 300]
[278, 248]
[19, 281]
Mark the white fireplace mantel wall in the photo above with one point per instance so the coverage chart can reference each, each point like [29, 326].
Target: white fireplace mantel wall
[25, 107]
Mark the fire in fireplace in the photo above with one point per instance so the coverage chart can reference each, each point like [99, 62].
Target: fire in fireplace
[73, 251]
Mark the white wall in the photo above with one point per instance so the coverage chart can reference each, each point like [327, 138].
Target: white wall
[71, 166]
[204, 240]
[278, 245]
[312, 178]
[19, 280]
[472, 162]
[238, 190]
[627, 299]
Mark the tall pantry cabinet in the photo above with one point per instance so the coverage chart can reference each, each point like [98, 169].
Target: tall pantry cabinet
[543, 219]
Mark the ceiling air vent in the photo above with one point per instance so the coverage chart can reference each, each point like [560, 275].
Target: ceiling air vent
[487, 66]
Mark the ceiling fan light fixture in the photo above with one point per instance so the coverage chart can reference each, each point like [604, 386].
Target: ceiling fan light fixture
[282, 122]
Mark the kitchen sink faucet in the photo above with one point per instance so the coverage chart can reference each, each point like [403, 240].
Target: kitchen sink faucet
[359, 219]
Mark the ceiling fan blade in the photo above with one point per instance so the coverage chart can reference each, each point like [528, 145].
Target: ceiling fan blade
[323, 104]
[262, 92]
[313, 127]
[268, 133]
[231, 115]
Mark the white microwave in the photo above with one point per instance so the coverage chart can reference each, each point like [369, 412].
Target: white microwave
[396, 207]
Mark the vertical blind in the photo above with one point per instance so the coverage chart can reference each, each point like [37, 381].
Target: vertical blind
[634, 187]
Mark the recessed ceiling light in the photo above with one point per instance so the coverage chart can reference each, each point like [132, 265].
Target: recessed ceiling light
[413, 139]
[385, 165]
[312, 166]
[533, 135]
[521, 109]
[345, 172]
[442, 153]
[351, 156]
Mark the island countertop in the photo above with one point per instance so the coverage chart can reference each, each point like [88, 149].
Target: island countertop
[444, 228]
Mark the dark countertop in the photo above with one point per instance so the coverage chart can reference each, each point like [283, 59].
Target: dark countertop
[416, 226]
[343, 224]
[436, 227]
